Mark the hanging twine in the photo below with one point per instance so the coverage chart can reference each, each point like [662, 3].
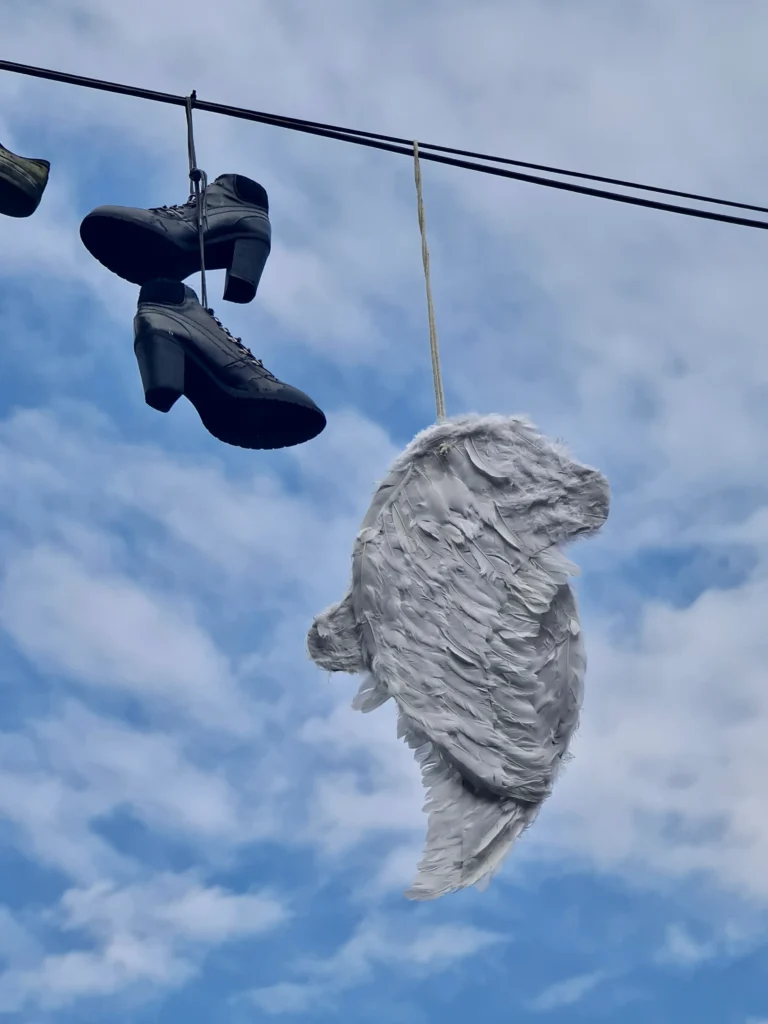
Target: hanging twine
[434, 351]
[199, 181]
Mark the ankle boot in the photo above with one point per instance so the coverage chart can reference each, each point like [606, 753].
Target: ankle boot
[182, 349]
[162, 242]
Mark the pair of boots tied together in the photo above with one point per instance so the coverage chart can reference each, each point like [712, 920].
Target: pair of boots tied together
[181, 347]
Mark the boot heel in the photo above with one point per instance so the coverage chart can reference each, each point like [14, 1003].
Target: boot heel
[249, 257]
[161, 365]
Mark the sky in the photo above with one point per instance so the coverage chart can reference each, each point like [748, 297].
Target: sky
[194, 825]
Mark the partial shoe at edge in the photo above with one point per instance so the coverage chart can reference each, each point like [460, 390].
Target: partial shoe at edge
[22, 183]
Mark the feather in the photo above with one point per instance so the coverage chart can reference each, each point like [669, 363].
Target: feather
[460, 609]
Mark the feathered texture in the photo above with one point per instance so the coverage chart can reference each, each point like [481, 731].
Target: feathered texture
[460, 609]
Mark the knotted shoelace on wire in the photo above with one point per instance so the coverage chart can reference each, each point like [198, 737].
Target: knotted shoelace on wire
[180, 209]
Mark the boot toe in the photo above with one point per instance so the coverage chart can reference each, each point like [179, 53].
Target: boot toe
[128, 243]
[287, 419]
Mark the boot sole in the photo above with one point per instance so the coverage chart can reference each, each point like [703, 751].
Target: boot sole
[139, 255]
[169, 371]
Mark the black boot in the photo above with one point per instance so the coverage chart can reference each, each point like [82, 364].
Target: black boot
[182, 349]
[22, 183]
[144, 245]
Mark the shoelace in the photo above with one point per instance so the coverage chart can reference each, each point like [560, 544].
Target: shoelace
[239, 343]
[178, 208]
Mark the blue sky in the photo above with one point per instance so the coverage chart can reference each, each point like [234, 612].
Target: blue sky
[193, 823]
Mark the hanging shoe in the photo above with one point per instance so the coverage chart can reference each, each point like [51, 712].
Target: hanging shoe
[163, 242]
[22, 183]
[182, 349]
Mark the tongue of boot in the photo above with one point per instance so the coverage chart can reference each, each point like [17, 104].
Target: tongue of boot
[164, 291]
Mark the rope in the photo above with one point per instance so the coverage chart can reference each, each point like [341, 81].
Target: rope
[433, 349]
[393, 144]
[199, 181]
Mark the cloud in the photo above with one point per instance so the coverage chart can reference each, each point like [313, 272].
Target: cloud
[148, 933]
[681, 949]
[287, 997]
[101, 630]
[671, 759]
[375, 944]
[148, 771]
[113, 596]
[567, 992]
[175, 906]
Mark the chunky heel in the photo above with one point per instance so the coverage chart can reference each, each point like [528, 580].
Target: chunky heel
[249, 257]
[161, 365]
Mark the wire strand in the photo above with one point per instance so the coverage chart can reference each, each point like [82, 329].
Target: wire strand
[437, 154]
[434, 351]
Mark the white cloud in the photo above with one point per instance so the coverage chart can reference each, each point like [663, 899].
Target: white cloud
[117, 621]
[287, 997]
[150, 934]
[147, 771]
[176, 907]
[681, 949]
[63, 978]
[106, 631]
[444, 944]
[215, 916]
[567, 992]
[666, 776]
[376, 943]
[384, 795]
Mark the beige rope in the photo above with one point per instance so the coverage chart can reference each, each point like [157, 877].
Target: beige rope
[436, 375]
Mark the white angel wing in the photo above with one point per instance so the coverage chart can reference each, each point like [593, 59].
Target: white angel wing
[460, 610]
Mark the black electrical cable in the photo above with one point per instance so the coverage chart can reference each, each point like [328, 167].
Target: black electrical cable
[437, 154]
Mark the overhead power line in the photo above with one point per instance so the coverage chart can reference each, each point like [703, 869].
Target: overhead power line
[497, 166]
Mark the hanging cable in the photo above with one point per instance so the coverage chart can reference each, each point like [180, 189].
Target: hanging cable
[199, 181]
[437, 379]
[437, 154]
